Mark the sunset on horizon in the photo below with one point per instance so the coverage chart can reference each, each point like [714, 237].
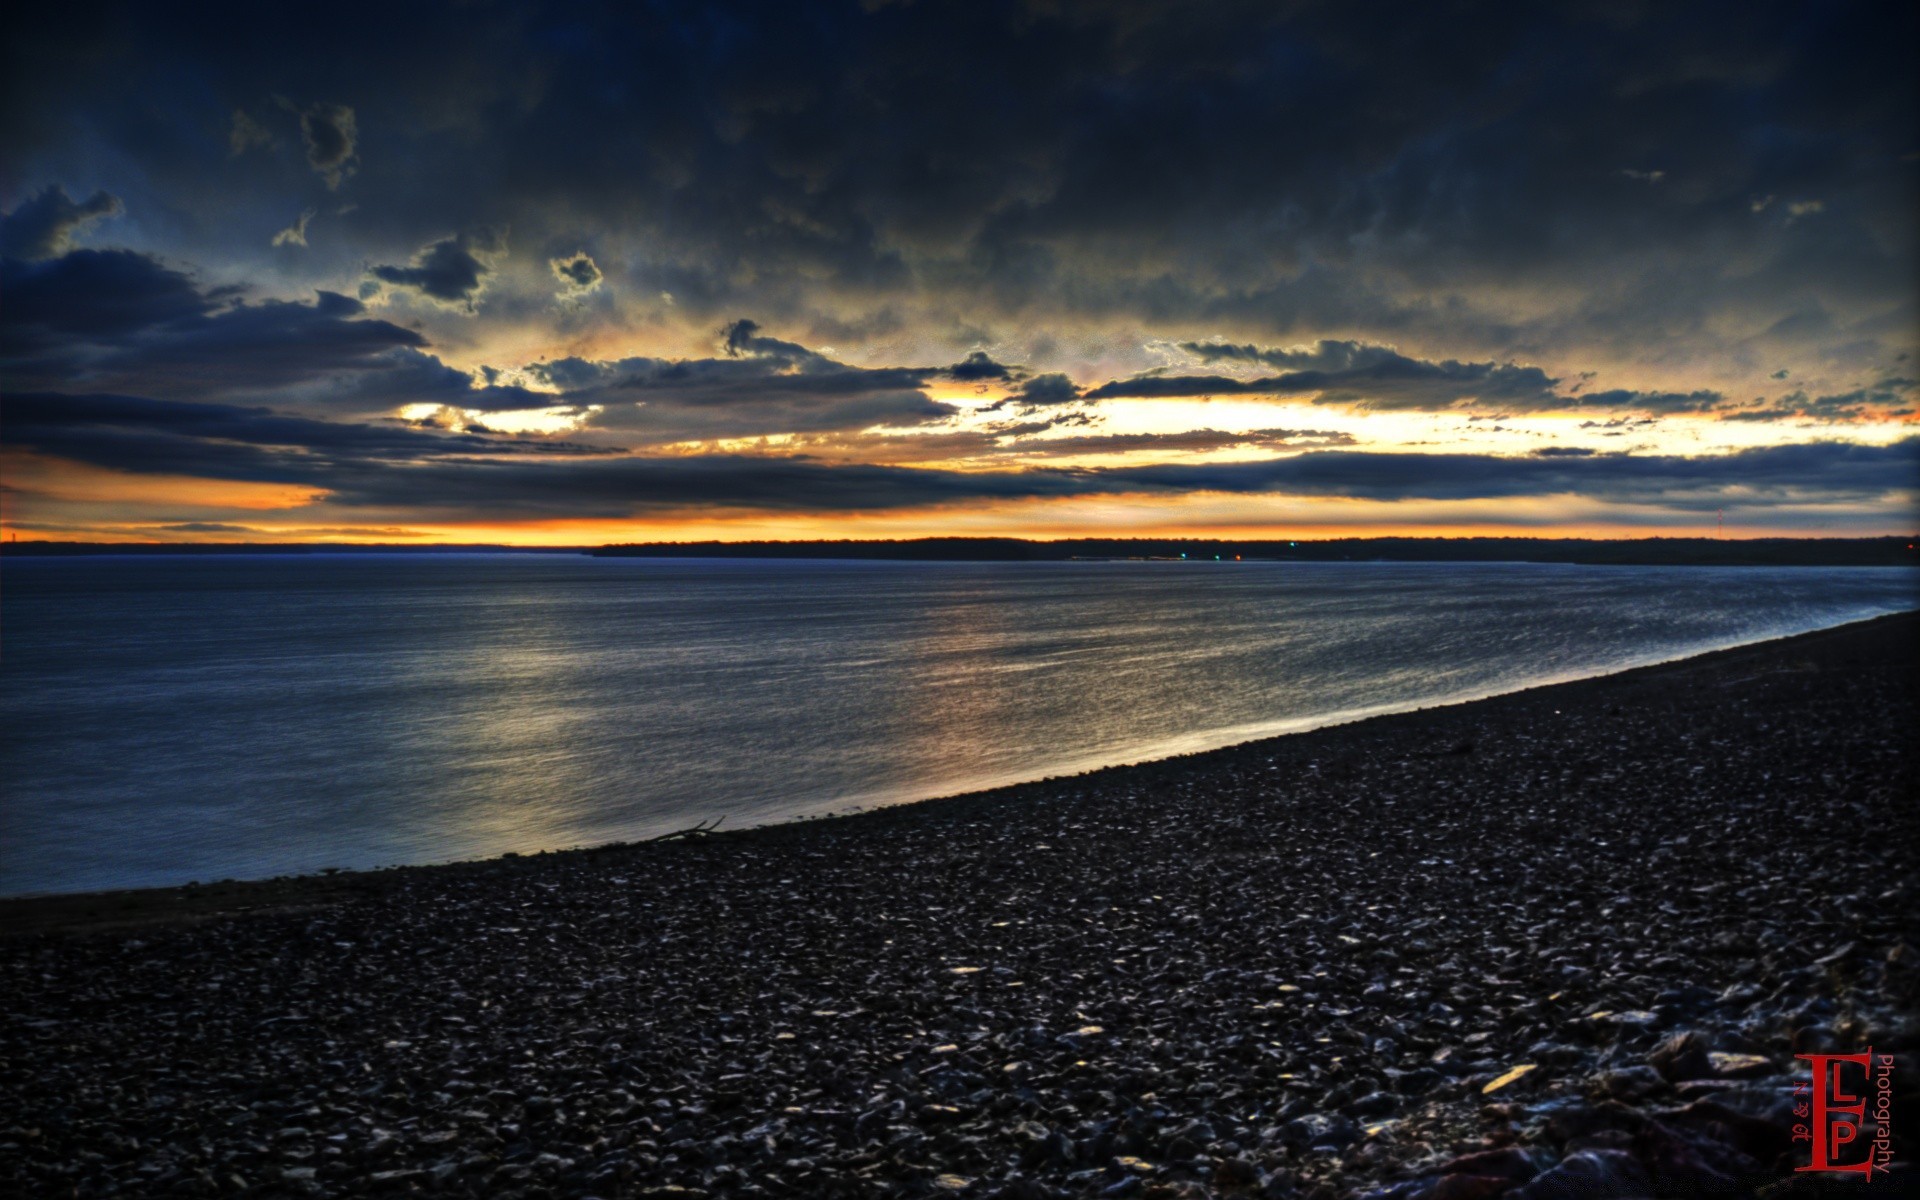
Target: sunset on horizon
[909, 270]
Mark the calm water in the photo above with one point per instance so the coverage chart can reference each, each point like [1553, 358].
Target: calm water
[168, 719]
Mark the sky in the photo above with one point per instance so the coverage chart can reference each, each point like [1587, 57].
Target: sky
[582, 273]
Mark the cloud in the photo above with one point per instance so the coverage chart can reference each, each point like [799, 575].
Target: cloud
[1352, 373]
[1051, 388]
[1889, 399]
[113, 319]
[396, 467]
[266, 344]
[271, 533]
[43, 226]
[1825, 472]
[116, 321]
[333, 141]
[201, 527]
[218, 441]
[1004, 164]
[573, 373]
[1366, 376]
[977, 367]
[1430, 193]
[296, 233]
[244, 133]
[741, 339]
[451, 272]
[617, 487]
[230, 442]
[1436, 221]
[578, 275]
[56, 307]
[758, 386]
[405, 375]
[623, 487]
[1015, 442]
[1700, 400]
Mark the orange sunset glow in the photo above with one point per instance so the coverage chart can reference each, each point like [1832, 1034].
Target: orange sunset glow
[407, 329]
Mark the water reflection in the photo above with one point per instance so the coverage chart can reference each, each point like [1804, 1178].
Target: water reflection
[169, 719]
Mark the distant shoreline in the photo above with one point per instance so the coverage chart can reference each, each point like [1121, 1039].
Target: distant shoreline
[1654, 551]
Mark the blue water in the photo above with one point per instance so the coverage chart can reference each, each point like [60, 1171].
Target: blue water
[180, 718]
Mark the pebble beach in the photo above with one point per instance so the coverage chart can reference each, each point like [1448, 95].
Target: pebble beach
[1560, 943]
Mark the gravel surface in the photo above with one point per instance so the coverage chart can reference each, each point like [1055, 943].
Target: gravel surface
[1560, 943]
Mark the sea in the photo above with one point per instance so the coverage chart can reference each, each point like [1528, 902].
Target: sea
[166, 719]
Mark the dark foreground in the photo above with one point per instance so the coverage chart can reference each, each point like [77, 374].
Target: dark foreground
[1293, 967]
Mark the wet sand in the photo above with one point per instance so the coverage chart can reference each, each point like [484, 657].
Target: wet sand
[1294, 967]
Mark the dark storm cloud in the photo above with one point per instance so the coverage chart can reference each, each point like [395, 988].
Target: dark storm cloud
[1326, 356]
[128, 433]
[229, 442]
[742, 376]
[1051, 388]
[1355, 373]
[1821, 471]
[333, 141]
[391, 464]
[43, 226]
[112, 318]
[977, 367]
[1380, 377]
[575, 374]
[263, 345]
[631, 486]
[1277, 167]
[115, 320]
[1477, 182]
[452, 271]
[404, 375]
[394, 466]
[58, 307]
[1156, 386]
[760, 385]
[704, 398]
[1815, 472]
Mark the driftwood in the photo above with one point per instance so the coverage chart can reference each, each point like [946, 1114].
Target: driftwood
[698, 831]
